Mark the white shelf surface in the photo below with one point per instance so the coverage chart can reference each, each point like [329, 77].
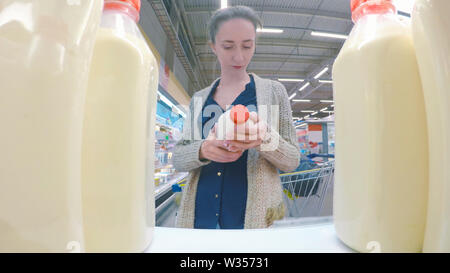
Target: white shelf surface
[309, 238]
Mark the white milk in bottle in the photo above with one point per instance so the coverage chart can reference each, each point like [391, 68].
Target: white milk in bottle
[236, 117]
[380, 195]
[118, 193]
[45, 52]
[431, 34]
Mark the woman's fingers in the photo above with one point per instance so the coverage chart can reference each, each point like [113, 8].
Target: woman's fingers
[239, 145]
[245, 145]
[247, 129]
[212, 134]
[252, 129]
[254, 117]
[246, 138]
[251, 133]
[219, 154]
[228, 158]
[234, 149]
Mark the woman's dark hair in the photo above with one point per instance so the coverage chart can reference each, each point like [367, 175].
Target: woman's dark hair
[223, 15]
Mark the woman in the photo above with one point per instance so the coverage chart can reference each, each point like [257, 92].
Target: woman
[235, 184]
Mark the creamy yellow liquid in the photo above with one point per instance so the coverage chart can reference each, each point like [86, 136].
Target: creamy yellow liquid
[45, 52]
[380, 194]
[118, 198]
[431, 26]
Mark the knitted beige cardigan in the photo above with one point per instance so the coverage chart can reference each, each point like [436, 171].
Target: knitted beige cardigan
[264, 197]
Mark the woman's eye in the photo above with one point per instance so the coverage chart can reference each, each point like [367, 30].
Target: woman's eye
[228, 47]
[247, 47]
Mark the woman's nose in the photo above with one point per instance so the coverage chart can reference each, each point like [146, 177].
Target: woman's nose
[238, 56]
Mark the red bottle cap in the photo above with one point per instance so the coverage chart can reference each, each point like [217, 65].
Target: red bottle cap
[132, 7]
[360, 8]
[239, 114]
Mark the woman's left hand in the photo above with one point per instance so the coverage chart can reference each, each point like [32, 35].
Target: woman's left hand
[250, 136]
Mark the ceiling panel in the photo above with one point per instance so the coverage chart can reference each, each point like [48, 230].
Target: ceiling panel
[294, 53]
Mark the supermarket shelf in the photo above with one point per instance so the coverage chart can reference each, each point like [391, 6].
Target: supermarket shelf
[167, 217]
[163, 188]
[164, 203]
[164, 195]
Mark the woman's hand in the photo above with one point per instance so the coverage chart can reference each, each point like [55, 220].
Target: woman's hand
[218, 150]
[250, 136]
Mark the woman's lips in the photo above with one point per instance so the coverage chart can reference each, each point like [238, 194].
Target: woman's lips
[237, 67]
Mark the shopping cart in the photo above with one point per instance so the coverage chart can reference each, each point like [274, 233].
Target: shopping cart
[301, 187]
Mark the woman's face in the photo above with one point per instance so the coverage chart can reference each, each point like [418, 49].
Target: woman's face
[235, 45]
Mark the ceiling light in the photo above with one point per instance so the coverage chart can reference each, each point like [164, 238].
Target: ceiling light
[305, 117]
[290, 80]
[171, 105]
[332, 105]
[327, 101]
[304, 86]
[293, 95]
[323, 109]
[325, 81]
[315, 113]
[165, 99]
[269, 30]
[223, 4]
[302, 100]
[307, 111]
[321, 73]
[329, 35]
[180, 112]
[301, 125]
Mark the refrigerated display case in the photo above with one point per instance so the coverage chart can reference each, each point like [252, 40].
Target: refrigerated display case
[331, 142]
[169, 125]
[165, 140]
[315, 137]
